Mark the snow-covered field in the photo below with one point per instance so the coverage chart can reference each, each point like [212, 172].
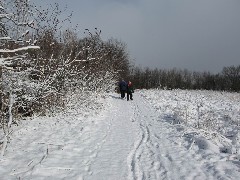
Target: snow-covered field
[159, 135]
[210, 115]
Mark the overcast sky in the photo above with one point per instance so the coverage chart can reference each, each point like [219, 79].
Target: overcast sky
[199, 35]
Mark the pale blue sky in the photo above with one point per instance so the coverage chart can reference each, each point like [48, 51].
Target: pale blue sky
[199, 35]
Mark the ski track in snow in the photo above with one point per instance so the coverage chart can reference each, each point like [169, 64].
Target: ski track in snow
[128, 140]
[152, 158]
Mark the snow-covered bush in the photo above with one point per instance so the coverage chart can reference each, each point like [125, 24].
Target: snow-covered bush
[16, 39]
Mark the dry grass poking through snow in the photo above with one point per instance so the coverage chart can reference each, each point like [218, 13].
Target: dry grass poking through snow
[207, 119]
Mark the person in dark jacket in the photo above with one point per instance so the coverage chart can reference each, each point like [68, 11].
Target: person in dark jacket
[129, 90]
[122, 88]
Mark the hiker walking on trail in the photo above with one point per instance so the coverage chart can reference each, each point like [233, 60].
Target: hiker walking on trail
[122, 88]
[129, 90]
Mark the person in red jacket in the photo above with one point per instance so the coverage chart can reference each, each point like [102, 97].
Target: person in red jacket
[129, 90]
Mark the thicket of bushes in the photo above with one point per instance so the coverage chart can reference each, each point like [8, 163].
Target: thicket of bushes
[41, 61]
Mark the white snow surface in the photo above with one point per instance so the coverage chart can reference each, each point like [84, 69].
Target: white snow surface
[147, 138]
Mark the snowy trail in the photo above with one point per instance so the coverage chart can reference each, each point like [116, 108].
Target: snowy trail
[128, 140]
[162, 153]
[158, 154]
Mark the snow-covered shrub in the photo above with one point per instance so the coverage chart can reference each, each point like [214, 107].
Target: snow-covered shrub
[17, 27]
[16, 39]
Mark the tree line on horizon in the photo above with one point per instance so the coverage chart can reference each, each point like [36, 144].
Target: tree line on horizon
[227, 80]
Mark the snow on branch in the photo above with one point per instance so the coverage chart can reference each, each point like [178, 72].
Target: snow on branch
[84, 60]
[18, 49]
[5, 38]
[3, 15]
